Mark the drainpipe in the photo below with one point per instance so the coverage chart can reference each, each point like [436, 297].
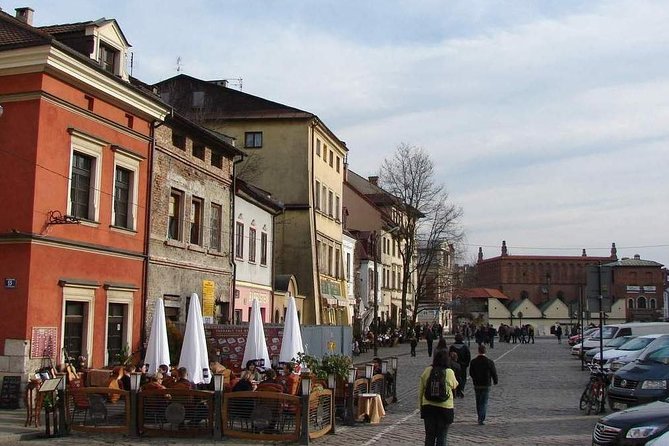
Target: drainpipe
[147, 229]
[235, 160]
[317, 291]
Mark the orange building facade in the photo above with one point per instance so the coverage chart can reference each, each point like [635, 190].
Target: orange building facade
[75, 145]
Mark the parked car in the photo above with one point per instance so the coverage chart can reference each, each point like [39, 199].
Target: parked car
[628, 348]
[641, 381]
[630, 328]
[621, 362]
[611, 344]
[573, 340]
[634, 426]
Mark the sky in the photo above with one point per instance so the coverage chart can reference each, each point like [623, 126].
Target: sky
[547, 121]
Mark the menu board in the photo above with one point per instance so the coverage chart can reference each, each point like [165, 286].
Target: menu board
[43, 342]
[229, 341]
[10, 392]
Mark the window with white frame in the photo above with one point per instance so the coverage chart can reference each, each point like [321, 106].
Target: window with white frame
[318, 147]
[337, 263]
[126, 188]
[77, 329]
[330, 203]
[239, 240]
[85, 176]
[330, 265]
[336, 208]
[263, 248]
[119, 322]
[252, 245]
[317, 198]
[324, 194]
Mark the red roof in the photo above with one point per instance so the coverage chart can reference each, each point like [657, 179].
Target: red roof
[483, 293]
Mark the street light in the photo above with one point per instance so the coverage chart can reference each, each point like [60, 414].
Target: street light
[352, 375]
[369, 370]
[305, 381]
[135, 380]
[393, 365]
[332, 385]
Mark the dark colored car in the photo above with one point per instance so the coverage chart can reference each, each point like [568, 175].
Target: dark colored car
[634, 426]
[642, 381]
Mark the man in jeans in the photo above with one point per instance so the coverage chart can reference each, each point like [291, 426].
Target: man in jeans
[483, 373]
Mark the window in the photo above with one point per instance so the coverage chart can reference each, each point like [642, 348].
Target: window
[394, 247]
[317, 199]
[253, 140]
[196, 221]
[198, 99]
[174, 215]
[239, 240]
[263, 248]
[252, 244]
[641, 302]
[630, 304]
[325, 153]
[216, 159]
[80, 188]
[77, 321]
[198, 151]
[215, 227]
[324, 193]
[337, 207]
[115, 329]
[330, 205]
[330, 249]
[179, 141]
[338, 164]
[393, 278]
[318, 147]
[337, 259]
[108, 58]
[74, 328]
[331, 157]
[652, 303]
[122, 184]
[348, 266]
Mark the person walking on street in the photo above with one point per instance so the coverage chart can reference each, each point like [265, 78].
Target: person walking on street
[530, 333]
[429, 337]
[414, 342]
[482, 370]
[435, 399]
[464, 356]
[558, 333]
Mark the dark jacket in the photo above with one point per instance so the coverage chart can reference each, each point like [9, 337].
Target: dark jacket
[482, 370]
[464, 356]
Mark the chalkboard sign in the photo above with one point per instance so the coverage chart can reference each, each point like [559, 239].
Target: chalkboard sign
[10, 393]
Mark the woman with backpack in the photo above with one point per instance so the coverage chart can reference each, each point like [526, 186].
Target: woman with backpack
[435, 399]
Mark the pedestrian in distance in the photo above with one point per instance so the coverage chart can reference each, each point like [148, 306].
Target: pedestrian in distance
[492, 333]
[414, 342]
[558, 333]
[429, 337]
[530, 333]
[464, 356]
[435, 399]
[483, 373]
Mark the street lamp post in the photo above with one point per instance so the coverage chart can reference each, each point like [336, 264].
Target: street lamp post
[135, 379]
[305, 381]
[219, 383]
[352, 374]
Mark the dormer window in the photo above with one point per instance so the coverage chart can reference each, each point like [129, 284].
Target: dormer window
[108, 58]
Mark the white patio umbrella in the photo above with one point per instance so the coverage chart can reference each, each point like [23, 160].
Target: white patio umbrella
[256, 346]
[157, 350]
[291, 344]
[194, 355]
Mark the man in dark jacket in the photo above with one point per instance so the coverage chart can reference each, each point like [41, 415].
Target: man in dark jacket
[429, 337]
[483, 373]
[464, 356]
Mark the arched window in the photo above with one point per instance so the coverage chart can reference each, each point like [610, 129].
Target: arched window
[641, 302]
[630, 304]
[652, 304]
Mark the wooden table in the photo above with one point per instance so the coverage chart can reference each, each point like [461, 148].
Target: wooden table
[370, 407]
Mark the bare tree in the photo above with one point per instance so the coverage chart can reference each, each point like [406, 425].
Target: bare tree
[426, 216]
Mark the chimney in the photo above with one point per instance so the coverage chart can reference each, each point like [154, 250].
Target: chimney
[583, 254]
[637, 257]
[505, 252]
[480, 254]
[25, 14]
[614, 252]
[374, 180]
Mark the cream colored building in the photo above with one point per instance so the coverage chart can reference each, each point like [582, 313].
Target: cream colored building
[292, 154]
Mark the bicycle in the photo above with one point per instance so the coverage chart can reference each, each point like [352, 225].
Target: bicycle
[595, 392]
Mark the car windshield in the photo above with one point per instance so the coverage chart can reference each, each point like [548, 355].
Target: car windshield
[618, 342]
[636, 344]
[654, 346]
[594, 334]
[608, 331]
[660, 355]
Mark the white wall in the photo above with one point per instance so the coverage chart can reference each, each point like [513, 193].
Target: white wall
[261, 220]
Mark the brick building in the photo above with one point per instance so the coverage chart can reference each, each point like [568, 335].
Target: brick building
[640, 282]
[538, 278]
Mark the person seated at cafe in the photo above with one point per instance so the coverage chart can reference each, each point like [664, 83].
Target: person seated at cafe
[116, 382]
[270, 376]
[244, 383]
[183, 381]
[251, 367]
[290, 380]
[125, 380]
[155, 383]
[164, 369]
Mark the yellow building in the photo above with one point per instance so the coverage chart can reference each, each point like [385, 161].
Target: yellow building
[292, 154]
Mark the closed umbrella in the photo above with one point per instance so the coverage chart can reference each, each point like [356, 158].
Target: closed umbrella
[291, 344]
[256, 346]
[194, 354]
[157, 350]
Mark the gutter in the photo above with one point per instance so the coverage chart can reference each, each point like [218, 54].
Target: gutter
[233, 264]
[317, 290]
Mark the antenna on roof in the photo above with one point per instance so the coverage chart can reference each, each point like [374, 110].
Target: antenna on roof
[178, 64]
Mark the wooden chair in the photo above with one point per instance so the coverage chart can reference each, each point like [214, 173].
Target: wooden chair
[80, 400]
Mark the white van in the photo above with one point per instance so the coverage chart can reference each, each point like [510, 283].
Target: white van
[630, 328]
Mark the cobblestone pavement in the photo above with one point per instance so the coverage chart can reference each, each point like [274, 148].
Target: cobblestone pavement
[536, 403]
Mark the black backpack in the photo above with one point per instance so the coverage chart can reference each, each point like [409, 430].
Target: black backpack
[435, 388]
